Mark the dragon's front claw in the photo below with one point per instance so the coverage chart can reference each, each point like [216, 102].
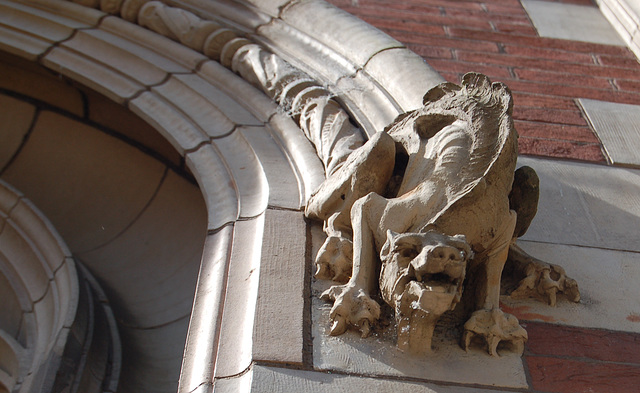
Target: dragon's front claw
[352, 307]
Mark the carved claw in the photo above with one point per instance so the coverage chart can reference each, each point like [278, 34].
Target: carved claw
[339, 326]
[334, 260]
[352, 308]
[495, 327]
[365, 328]
[541, 280]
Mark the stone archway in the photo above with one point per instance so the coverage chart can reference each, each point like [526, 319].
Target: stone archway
[254, 166]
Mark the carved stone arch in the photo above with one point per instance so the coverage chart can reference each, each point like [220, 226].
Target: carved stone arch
[251, 160]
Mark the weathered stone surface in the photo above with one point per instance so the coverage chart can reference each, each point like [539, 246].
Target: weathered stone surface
[168, 118]
[248, 176]
[79, 180]
[168, 53]
[351, 34]
[210, 171]
[308, 52]
[571, 22]
[301, 152]
[379, 355]
[175, 23]
[246, 95]
[618, 127]
[40, 295]
[278, 333]
[284, 187]
[151, 265]
[405, 75]
[92, 74]
[281, 380]
[586, 205]
[238, 314]
[450, 207]
[29, 30]
[324, 122]
[204, 327]
[123, 55]
[31, 80]
[16, 118]
[224, 102]
[369, 104]
[195, 108]
[602, 305]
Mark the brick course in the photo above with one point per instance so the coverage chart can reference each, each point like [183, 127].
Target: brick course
[497, 38]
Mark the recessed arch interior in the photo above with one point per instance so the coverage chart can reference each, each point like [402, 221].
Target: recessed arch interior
[121, 197]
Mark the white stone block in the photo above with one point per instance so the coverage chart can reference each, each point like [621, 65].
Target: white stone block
[278, 332]
[368, 103]
[618, 127]
[301, 152]
[93, 74]
[204, 326]
[173, 52]
[17, 255]
[586, 204]
[571, 22]
[315, 58]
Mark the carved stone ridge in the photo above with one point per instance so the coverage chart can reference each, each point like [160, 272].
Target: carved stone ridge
[322, 119]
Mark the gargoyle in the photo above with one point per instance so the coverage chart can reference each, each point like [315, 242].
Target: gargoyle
[426, 212]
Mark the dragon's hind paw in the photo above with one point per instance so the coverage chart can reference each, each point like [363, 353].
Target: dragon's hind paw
[494, 326]
[541, 280]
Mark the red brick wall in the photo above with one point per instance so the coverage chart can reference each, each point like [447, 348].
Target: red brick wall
[497, 38]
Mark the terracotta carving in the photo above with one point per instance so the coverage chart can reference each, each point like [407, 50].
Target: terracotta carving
[422, 213]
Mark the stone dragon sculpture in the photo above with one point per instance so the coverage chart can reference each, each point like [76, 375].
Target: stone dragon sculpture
[426, 214]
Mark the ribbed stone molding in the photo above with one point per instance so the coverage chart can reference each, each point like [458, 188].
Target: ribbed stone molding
[249, 157]
[39, 295]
